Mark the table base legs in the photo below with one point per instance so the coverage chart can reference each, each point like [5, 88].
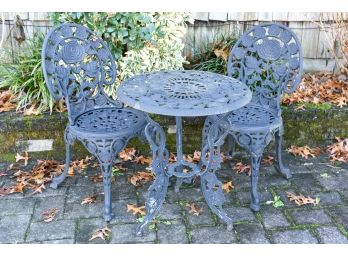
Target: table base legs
[211, 186]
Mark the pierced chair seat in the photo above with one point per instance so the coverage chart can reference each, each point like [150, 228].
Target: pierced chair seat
[253, 118]
[109, 122]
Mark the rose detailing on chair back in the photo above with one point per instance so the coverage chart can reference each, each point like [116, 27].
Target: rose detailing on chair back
[78, 66]
[268, 59]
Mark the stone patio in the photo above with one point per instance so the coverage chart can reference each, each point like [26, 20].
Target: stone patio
[21, 215]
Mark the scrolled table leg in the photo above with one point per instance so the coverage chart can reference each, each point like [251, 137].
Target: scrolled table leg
[213, 138]
[157, 191]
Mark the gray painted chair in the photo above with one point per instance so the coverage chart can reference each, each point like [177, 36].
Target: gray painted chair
[268, 59]
[78, 67]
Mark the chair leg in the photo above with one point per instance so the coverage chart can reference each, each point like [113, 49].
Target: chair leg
[106, 170]
[230, 145]
[255, 171]
[279, 163]
[58, 180]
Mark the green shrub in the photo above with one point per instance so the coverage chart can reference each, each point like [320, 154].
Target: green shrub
[140, 42]
[212, 55]
[24, 76]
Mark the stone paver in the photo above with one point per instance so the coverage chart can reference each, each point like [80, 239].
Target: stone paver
[126, 234]
[212, 235]
[13, 228]
[60, 229]
[174, 233]
[21, 218]
[310, 217]
[331, 235]
[251, 233]
[294, 237]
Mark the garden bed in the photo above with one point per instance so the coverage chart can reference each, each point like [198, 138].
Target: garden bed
[315, 126]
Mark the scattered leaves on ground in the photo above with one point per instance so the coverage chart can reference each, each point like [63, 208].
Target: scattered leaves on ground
[300, 200]
[140, 178]
[136, 210]
[25, 158]
[89, 199]
[6, 101]
[127, 154]
[193, 209]
[322, 87]
[277, 202]
[195, 158]
[50, 214]
[78, 165]
[227, 186]
[240, 167]
[268, 160]
[304, 151]
[102, 233]
[143, 160]
[339, 150]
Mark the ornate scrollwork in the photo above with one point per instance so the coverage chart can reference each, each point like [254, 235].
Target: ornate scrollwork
[79, 67]
[268, 59]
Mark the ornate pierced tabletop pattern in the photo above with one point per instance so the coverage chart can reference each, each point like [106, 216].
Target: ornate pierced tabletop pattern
[184, 93]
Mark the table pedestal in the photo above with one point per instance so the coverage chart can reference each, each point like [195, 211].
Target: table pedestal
[211, 186]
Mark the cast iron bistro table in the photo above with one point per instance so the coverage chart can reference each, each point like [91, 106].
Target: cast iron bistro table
[185, 94]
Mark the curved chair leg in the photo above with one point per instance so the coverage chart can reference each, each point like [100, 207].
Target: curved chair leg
[255, 171]
[106, 170]
[231, 145]
[58, 180]
[279, 163]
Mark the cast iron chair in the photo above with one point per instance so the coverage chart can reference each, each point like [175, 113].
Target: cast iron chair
[78, 66]
[268, 59]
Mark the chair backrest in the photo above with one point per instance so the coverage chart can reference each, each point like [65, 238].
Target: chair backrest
[267, 58]
[78, 66]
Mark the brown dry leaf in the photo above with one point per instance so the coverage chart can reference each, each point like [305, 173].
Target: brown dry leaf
[143, 160]
[140, 178]
[136, 210]
[18, 188]
[102, 233]
[50, 214]
[89, 199]
[300, 108]
[6, 98]
[227, 186]
[269, 160]
[172, 158]
[223, 53]
[339, 150]
[300, 199]
[242, 168]
[195, 158]
[97, 178]
[304, 151]
[193, 209]
[30, 111]
[127, 154]
[20, 157]
[78, 165]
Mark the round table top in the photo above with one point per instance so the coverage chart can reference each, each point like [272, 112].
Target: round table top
[184, 93]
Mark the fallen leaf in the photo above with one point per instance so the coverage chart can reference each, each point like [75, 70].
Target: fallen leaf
[127, 154]
[30, 111]
[6, 98]
[304, 151]
[143, 160]
[50, 214]
[20, 157]
[89, 199]
[193, 209]
[140, 178]
[136, 210]
[242, 168]
[300, 108]
[97, 178]
[269, 160]
[339, 150]
[102, 233]
[301, 199]
[227, 186]
[195, 158]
